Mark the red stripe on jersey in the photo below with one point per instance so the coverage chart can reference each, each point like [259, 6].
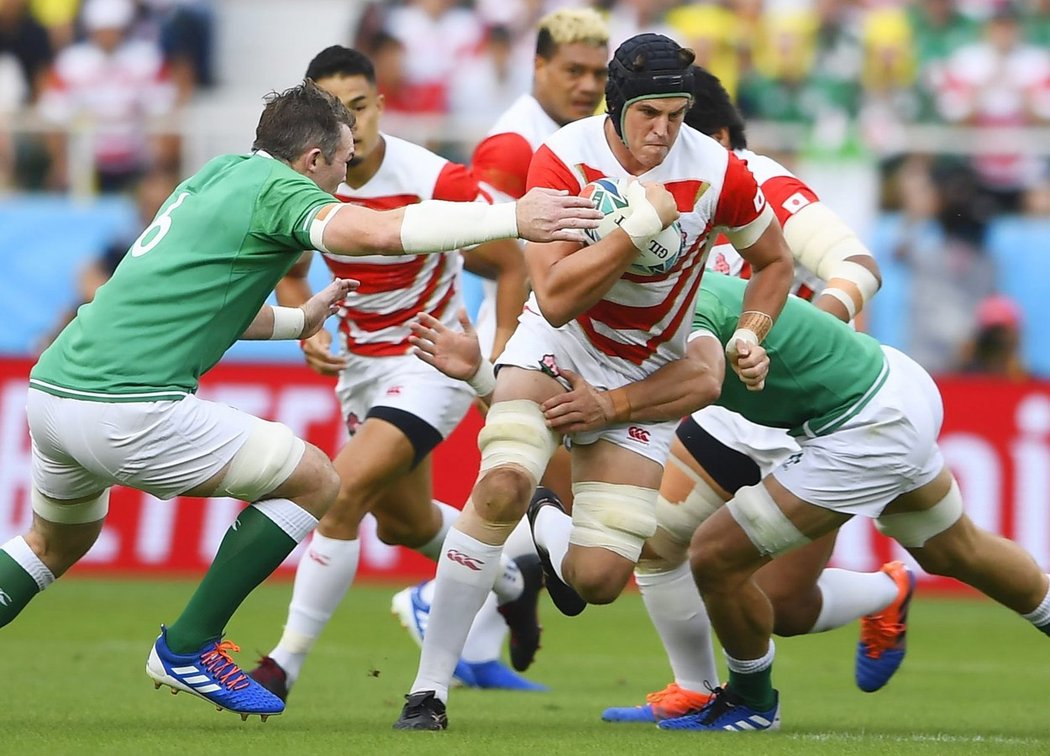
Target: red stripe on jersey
[367, 320]
[502, 161]
[388, 202]
[388, 348]
[547, 170]
[622, 317]
[379, 278]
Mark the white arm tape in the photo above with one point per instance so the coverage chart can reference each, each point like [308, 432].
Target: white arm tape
[438, 226]
[317, 226]
[744, 236]
[644, 222]
[484, 381]
[821, 241]
[288, 322]
[844, 297]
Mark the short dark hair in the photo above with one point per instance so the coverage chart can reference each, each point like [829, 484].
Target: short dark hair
[713, 109]
[299, 119]
[340, 61]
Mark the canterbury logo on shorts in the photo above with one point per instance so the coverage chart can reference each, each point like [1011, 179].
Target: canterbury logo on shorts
[466, 560]
[638, 434]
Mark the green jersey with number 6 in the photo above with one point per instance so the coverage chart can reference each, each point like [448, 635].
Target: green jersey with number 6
[821, 371]
[188, 287]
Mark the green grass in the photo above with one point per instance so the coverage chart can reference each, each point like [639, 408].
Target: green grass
[71, 681]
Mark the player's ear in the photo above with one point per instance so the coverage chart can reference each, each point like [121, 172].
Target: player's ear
[380, 102]
[314, 159]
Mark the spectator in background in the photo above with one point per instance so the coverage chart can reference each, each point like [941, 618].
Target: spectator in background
[776, 87]
[117, 88]
[186, 38]
[1000, 81]
[25, 56]
[995, 348]
[713, 32]
[58, 17]
[1037, 23]
[627, 18]
[939, 30]
[487, 84]
[438, 37]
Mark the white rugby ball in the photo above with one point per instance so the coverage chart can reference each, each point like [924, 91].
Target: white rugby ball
[663, 250]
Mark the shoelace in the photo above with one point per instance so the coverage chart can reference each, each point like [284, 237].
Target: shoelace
[417, 707]
[716, 706]
[877, 635]
[219, 662]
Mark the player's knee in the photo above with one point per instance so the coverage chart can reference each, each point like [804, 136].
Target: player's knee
[64, 530]
[502, 494]
[599, 582]
[268, 458]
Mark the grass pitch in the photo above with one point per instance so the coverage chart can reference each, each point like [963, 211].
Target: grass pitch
[72, 681]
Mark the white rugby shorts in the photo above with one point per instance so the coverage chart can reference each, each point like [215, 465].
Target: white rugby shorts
[768, 447]
[163, 448]
[402, 382]
[536, 345]
[887, 449]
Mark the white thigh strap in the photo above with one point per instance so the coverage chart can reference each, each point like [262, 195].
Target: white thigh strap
[913, 529]
[268, 457]
[64, 513]
[768, 528]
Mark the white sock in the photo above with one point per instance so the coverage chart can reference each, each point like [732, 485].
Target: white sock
[465, 573]
[680, 619]
[26, 558]
[509, 582]
[487, 633]
[552, 533]
[432, 548]
[324, 574]
[847, 596]
[520, 542]
[751, 666]
[1040, 616]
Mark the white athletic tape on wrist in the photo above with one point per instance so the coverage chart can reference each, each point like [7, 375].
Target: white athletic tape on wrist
[614, 517]
[64, 513]
[854, 275]
[484, 381]
[318, 225]
[267, 458]
[913, 529]
[516, 433]
[438, 226]
[767, 527]
[644, 222]
[288, 323]
[741, 334]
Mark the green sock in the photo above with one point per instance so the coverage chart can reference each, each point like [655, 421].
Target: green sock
[252, 548]
[755, 688]
[17, 588]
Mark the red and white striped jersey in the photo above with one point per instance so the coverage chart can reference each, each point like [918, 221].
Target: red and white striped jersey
[396, 287]
[501, 160]
[786, 195]
[642, 322]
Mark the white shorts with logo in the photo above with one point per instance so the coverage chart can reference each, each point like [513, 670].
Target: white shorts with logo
[768, 447]
[402, 382]
[163, 448]
[536, 343]
[887, 449]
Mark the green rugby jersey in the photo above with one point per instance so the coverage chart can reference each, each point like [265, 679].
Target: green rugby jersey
[188, 287]
[821, 371]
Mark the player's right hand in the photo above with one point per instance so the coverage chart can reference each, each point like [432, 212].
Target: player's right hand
[317, 350]
[546, 215]
[750, 362]
[457, 354]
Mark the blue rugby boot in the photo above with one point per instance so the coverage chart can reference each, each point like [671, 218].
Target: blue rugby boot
[726, 712]
[210, 673]
[883, 636]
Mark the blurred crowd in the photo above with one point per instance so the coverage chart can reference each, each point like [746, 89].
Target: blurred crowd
[843, 78]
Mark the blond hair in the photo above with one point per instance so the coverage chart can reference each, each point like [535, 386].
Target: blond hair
[569, 26]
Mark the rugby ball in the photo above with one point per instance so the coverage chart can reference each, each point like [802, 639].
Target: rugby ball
[663, 250]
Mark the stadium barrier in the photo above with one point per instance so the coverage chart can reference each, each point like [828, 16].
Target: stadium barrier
[996, 437]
